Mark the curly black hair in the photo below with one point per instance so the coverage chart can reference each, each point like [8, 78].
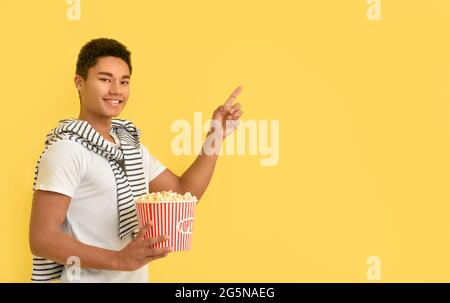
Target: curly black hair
[97, 48]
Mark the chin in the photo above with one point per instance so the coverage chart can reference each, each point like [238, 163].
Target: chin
[111, 115]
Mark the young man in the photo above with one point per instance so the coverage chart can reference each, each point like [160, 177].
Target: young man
[94, 167]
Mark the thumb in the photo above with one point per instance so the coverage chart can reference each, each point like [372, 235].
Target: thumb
[219, 110]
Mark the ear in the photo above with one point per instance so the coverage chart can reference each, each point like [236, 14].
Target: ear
[79, 81]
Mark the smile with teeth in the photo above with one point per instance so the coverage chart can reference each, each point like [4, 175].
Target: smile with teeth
[113, 101]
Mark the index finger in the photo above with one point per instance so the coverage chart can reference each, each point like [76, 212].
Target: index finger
[233, 96]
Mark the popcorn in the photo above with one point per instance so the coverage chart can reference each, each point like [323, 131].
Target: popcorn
[166, 196]
[172, 214]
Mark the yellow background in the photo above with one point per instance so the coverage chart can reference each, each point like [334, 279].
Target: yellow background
[364, 128]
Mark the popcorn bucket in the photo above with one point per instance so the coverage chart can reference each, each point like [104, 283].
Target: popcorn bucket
[172, 218]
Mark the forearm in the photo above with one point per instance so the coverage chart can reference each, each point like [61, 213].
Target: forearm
[59, 246]
[197, 177]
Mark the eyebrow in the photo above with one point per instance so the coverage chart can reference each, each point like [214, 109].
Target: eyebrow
[111, 75]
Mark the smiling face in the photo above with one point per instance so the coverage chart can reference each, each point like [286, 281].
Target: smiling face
[105, 91]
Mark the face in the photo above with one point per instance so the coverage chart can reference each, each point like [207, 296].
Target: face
[105, 91]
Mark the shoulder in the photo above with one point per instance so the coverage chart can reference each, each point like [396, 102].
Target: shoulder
[144, 149]
[152, 166]
[62, 167]
[146, 155]
[64, 152]
[65, 147]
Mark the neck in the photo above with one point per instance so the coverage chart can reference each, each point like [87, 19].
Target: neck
[101, 124]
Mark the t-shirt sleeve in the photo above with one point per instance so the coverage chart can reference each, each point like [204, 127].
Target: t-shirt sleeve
[152, 167]
[60, 168]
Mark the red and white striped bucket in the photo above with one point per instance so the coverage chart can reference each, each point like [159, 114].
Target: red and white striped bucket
[174, 219]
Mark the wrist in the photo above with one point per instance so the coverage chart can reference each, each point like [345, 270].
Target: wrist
[116, 260]
[211, 150]
[212, 145]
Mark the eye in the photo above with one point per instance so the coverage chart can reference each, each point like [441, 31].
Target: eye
[125, 83]
[105, 80]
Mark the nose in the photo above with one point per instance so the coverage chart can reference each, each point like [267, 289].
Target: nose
[114, 89]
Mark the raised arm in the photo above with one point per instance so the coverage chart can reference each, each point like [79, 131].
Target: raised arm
[197, 177]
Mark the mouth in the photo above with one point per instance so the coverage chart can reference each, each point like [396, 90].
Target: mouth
[113, 101]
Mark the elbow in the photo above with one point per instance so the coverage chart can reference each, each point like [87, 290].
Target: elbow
[182, 189]
[35, 246]
[37, 243]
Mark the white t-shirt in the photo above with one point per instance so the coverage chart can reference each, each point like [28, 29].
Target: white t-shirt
[92, 218]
